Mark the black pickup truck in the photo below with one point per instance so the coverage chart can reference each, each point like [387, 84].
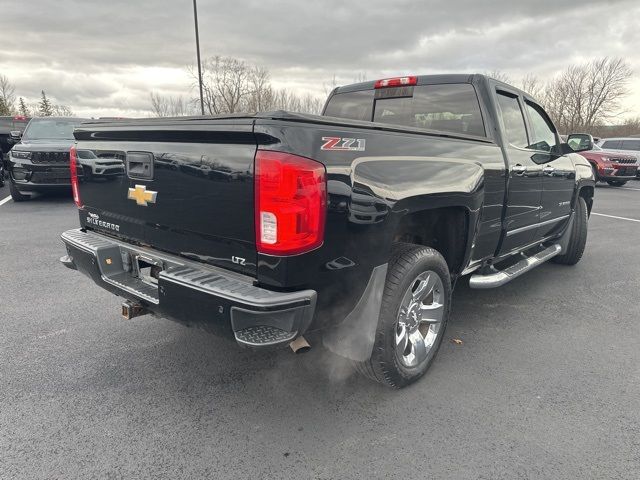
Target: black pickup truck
[355, 224]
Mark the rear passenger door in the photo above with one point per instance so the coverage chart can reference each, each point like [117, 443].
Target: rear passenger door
[525, 176]
[558, 174]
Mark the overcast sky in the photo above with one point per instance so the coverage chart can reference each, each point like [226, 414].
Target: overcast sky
[103, 57]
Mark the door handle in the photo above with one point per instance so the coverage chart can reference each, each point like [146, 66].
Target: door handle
[548, 170]
[519, 169]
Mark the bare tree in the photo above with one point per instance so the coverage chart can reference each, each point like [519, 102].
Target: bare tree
[61, 111]
[330, 86]
[360, 77]
[225, 84]
[499, 75]
[285, 100]
[533, 86]
[586, 95]
[628, 128]
[231, 85]
[168, 106]
[7, 96]
[261, 95]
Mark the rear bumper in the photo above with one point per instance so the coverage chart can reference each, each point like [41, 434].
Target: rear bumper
[191, 293]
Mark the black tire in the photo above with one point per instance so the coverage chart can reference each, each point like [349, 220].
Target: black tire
[16, 195]
[595, 172]
[578, 238]
[616, 183]
[1, 175]
[407, 262]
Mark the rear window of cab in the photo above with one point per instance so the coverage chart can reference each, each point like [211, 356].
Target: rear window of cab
[446, 107]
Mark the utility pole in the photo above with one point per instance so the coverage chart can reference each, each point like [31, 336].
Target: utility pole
[195, 17]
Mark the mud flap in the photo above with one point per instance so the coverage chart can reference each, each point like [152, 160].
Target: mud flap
[354, 337]
[566, 236]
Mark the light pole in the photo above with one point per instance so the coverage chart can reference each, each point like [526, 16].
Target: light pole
[195, 18]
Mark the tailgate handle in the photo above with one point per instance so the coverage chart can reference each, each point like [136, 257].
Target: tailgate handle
[140, 165]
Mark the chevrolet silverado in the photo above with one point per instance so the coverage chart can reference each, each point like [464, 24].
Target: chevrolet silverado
[355, 225]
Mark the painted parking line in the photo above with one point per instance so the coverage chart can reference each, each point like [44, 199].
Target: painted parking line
[630, 188]
[617, 218]
[5, 200]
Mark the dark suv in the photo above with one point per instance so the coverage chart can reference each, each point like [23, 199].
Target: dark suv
[11, 128]
[40, 162]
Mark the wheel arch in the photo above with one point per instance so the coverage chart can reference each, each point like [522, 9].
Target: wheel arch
[587, 193]
[446, 226]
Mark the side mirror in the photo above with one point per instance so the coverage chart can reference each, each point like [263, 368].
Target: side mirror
[15, 135]
[580, 142]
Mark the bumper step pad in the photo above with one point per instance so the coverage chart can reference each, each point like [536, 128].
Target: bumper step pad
[263, 335]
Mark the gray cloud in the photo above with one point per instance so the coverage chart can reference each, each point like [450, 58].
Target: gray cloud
[103, 57]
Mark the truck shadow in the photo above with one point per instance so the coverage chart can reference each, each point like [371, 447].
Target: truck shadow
[278, 395]
[207, 365]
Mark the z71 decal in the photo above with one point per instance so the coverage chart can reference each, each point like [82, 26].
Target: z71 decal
[343, 144]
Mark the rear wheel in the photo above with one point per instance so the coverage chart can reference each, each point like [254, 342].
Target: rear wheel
[616, 183]
[413, 316]
[578, 238]
[16, 195]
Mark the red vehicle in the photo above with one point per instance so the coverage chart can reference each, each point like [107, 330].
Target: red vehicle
[609, 166]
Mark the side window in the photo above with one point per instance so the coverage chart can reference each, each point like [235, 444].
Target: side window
[352, 105]
[611, 144]
[449, 108]
[543, 135]
[512, 120]
[630, 145]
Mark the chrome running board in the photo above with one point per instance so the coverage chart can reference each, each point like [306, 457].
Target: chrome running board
[499, 278]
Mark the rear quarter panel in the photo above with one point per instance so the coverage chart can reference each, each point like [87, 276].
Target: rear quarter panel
[370, 191]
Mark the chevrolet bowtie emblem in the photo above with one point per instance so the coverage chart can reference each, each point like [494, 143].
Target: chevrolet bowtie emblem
[142, 196]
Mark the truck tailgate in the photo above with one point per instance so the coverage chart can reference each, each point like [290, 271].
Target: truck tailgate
[182, 186]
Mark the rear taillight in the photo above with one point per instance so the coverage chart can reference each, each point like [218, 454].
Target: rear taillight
[290, 203]
[396, 82]
[73, 168]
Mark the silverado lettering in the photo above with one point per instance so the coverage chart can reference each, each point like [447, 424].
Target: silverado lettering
[93, 220]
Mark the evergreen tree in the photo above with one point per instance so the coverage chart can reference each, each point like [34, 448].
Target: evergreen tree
[22, 107]
[45, 109]
[4, 108]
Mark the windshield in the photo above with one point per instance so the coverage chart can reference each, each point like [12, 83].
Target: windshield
[53, 128]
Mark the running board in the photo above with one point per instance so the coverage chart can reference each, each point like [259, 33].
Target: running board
[501, 277]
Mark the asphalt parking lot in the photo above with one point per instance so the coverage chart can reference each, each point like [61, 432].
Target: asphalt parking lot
[546, 383]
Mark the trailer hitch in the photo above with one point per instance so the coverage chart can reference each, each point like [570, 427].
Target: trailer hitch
[131, 310]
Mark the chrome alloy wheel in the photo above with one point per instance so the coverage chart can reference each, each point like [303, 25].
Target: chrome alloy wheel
[419, 319]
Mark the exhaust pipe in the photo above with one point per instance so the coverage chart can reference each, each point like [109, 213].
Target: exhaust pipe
[131, 310]
[300, 345]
